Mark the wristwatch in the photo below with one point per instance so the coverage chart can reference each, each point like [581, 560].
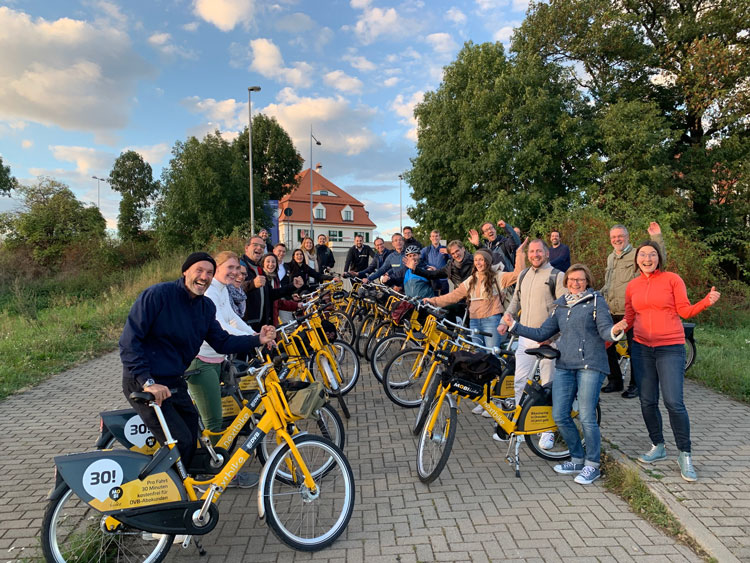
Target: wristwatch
[149, 382]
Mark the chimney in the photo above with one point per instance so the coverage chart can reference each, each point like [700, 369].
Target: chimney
[318, 166]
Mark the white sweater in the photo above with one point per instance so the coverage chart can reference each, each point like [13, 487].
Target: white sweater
[228, 319]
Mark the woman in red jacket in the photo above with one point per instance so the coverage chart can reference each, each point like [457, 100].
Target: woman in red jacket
[654, 303]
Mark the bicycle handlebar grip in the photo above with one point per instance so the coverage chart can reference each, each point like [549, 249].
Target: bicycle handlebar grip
[481, 332]
[444, 330]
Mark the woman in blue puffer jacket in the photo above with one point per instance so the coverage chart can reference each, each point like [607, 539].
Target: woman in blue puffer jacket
[583, 320]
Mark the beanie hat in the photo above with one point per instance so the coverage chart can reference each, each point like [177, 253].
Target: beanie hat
[197, 257]
[492, 259]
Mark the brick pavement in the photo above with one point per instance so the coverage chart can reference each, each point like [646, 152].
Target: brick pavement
[477, 511]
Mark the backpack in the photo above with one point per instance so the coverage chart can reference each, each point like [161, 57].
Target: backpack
[551, 282]
[476, 367]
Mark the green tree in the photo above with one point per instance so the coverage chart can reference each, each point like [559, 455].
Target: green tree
[206, 185]
[7, 182]
[50, 221]
[132, 177]
[499, 138]
[690, 59]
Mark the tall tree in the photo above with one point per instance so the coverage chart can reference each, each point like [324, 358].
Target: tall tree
[499, 138]
[7, 182]
[50, 221]
[690, 58]
[206, 185]
[132, 177]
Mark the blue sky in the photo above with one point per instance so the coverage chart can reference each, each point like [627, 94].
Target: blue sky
[82, 81]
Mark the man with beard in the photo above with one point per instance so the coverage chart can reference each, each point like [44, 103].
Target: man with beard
[503, 248]
[358, 256]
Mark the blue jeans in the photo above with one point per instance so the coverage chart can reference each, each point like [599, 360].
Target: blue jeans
[585, 383]
[487, 324]
[662, 367]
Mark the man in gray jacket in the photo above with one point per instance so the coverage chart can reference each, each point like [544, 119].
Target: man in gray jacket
[620, 270]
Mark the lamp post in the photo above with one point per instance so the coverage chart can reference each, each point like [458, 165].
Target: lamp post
[250, 153]
[98, 183]
[400, 207]
[312, 137]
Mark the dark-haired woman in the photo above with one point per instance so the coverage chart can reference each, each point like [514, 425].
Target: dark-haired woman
[270, 265]
[654, 303]
[298, 267]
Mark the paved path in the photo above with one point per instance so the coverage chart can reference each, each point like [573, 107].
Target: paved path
[476, 511]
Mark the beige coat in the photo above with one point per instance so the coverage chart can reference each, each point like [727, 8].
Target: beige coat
[535, 302]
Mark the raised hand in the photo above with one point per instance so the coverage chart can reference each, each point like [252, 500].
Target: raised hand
[523, 246]
[654, 228]
[474, 237]
[501, 224]
[713, 295]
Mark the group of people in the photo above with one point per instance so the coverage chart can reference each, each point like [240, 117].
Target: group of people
[226, 304]
[556, 303]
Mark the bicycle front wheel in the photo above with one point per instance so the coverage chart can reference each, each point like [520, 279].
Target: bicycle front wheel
[73, 531]
[426, 403]
[435, 445]
[404, 377]
[304, 519]
[344, 326]
[347, 366]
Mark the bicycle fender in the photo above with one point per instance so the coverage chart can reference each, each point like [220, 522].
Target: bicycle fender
[107, 480]
[266, 468]
[452, 401]
[129, 429]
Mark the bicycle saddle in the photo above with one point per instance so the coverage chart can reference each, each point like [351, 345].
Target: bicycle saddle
[544, 352]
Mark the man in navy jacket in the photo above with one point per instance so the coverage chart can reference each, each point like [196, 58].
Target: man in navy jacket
[163, 333]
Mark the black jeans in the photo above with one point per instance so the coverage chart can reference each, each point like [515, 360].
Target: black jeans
[615, 375]
[179, 412]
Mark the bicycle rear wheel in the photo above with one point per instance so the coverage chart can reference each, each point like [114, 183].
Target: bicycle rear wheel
[559, 449]
[384, 351]
[303, 519]
[404, 377]
[426, 404]
[434, 447]
[368, 324]
[73, 531]
[344, 326]
[348, 367]
[381, 331]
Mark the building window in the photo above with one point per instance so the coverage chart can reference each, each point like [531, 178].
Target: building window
[348, 215]
[320, 213]
[301, 234]
[336, 236]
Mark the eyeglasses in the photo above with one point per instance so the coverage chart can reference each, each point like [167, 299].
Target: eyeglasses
[576, 280]
[649, 255]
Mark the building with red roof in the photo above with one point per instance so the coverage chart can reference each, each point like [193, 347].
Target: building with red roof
[336, 214]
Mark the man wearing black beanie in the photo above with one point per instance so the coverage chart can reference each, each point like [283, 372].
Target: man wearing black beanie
[163, 333]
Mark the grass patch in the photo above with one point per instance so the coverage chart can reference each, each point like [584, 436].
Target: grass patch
[33, 347]
[723, 357]
[626, 483]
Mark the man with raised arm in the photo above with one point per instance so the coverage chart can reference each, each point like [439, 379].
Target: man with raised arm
[163, 333]
[620, 271]
[502, 247]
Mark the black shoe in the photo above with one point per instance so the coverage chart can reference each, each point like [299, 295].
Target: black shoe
[611, 388]
[630, 393]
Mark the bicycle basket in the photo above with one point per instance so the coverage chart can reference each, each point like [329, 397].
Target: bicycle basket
[306, 402]
[475, 367]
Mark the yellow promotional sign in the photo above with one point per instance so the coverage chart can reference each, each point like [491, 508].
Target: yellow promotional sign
[154, 489]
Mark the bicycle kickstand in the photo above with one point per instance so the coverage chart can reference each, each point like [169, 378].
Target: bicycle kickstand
[199, 546]
[514, 460]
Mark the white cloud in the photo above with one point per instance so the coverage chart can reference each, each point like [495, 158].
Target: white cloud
[485, 5]
[520, 5]
[267, 61]
[192, 26]
[392, 81]
[162, 42]
[456, 16]
[222, 114]
[225, 14]
[376, 22]
[442, 42]
[359, 62]
[66, 72]
[341, 81]
[86, 159]
[27, 143]
[153, 154]
[404, 108]
[340, 127]
[503, 34]
[295, 23]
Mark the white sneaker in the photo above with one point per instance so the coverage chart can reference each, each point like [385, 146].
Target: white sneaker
[547, 440]
[499, 438]
[477, 410]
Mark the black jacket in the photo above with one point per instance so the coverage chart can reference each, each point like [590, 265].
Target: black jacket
[324, 258]
[454, 271]
[358, 258]
[259, 308]
[305, 272]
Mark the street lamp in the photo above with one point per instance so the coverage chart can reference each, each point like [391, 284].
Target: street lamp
[98, 183]
[400, 208]
[250, 153]
[312, 137]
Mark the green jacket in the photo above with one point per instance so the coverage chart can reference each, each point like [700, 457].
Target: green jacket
[620, 270]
